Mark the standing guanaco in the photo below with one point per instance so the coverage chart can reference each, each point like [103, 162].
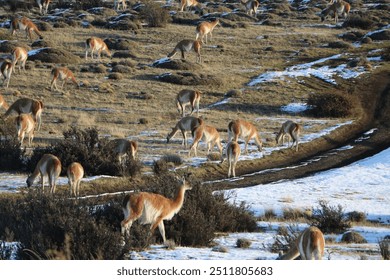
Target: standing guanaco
[43, 6]
[63, 74]
[291, 130]
[233, 152]
[187, 123]
[188, 97]
[186, 46]
[338, 7]
[251, 6]
[205, 28]
[119, 3]
[246, 130]
[19, 55]
[27, 105]
[25, 24]
[6, 71]
[95, 44]
[186, 4]
[209, 135]
[75, 172]
[25, 124]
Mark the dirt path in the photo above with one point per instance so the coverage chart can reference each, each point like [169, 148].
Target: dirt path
[320, 154]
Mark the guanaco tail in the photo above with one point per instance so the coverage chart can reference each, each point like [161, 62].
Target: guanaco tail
[187, 123]
[188, 97]
[186, 46]
[233, 152]
[75, 172]
[246, 130]
[292, 131]
[251, 6]
[309, 245]
[27, 105]
[209, 135]
[187, 4]
[338, 7]
[50, 166]
[95, 44]
[6, 71]
[151, 208]
[43, 6]
[205, 28]
[63, 74]
[19, 56]
[124, 148]
[25, 24]
[120, 3]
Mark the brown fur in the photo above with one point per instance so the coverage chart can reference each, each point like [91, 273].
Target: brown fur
[6, 71]
[186, 4]
[187, 123]
[95, 44]
[43, 6]
[3, 103]
[25, 124]
[63, 74]
[291, 130]
[27, 105]
[186, 46]
[205, 28]
[241, 128]
[20, 55]
[75, 172]
[188, 97]
[210, 136]
[337, 7]
[25, 24]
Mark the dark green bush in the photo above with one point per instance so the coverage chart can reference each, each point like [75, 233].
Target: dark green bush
[330, 219]
[357, 21]
[330, 105]
[155, 15]
[49, 228]
[353, 237]
[11, 154]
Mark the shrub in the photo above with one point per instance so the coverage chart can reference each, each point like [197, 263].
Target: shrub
[285, 238]
[357, 21]
[58, 228]
[243, 243]
[12, 156]
[356, 216]
[155, 15]
[332, 105]
[353, 237]
[329, 219]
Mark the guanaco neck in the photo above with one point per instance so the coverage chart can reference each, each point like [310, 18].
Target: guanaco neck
[178, 201]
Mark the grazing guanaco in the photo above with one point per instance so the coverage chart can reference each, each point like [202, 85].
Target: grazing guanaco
[187, 123]
[43, 6]
[292, 131]
[187, 4]
[63, 74]
[95, 44]
[25, 124]
[209, 135]
[49, 165]
[338, 7]
[25, 24]
[119, 3]
[188, 97]
[151, 208]
[233, 152]
[309, 245]
[246, 130]
[3, 103]
[251, 6]
[186, 46]
[124, 148]
[205, 28]
[6, 71]
[27, 105]
[19, 55]
[75, 172]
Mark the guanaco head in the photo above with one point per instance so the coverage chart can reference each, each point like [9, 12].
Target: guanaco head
[29, 181]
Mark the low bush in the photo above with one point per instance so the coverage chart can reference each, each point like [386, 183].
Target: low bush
[384, 246]
[330, 219]
[357, 21]
[353, 237]
[155, 15]
[332, 105]
[356, 216]
[285, 238]
[12, 156]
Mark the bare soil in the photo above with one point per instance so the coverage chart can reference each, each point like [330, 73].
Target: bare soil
[238, 52]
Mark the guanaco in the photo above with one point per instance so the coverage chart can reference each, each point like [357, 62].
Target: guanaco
[95, 44]
[187, 123]
[124, 148]
[233, 152]
[19, 55]
[25, 124]
[27, 105]
[188, 97]
[43, 6]
[309, 245]
[209, 135]
[205, 28]
[186, 46]
[292, 131]
[151, 208]
[25, 24]
[251, 6]
[49, 165]
[3, 103]
[245, 129]
[63, 74]
[119, 3]
[75, 172]
[6, 71]
[338, 7]
[186, 4]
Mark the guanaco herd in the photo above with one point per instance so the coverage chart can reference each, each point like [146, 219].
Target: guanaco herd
[153, 208]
